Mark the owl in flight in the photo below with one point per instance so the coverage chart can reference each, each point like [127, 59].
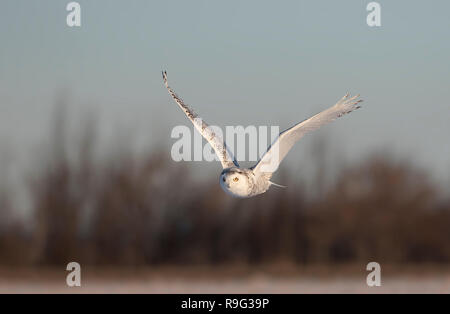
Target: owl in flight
[248, 182]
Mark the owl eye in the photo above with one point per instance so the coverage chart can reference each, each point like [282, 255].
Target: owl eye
[236, 179]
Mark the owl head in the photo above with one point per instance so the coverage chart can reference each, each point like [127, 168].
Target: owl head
[236, 182]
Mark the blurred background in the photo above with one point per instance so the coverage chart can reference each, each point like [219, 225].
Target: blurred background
[86, 173]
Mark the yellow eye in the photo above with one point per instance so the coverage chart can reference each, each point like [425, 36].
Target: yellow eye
[236, 179]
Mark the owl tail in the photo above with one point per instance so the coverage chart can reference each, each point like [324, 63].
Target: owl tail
[278, 185]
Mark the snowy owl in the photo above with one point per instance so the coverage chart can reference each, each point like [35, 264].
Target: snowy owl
[248, 182]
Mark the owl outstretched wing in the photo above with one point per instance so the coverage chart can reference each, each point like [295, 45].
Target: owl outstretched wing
[215, 140]
[281, 146]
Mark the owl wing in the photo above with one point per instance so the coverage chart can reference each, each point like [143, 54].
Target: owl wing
[215, 140]
[282, 145]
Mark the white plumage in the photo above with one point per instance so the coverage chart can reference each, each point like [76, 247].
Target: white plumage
[241, 182]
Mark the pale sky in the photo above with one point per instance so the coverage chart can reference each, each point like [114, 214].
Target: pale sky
[237, 63]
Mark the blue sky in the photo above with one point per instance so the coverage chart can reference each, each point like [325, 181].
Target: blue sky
[236, 62]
